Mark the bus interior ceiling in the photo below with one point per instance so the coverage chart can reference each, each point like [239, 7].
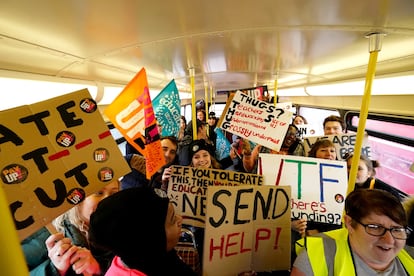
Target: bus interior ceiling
[227, 45]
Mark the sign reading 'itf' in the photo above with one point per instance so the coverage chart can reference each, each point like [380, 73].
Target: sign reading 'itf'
[255, 120]
[52, 155]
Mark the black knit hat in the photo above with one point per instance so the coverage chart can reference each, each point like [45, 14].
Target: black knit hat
[131, 224]
[198, 145]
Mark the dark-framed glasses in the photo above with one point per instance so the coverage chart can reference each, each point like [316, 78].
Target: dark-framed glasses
[400, 233]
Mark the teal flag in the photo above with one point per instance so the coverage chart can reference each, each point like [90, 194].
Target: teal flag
[223, 145]
[167, 110]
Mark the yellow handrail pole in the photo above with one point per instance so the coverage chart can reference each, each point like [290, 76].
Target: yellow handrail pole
[193, 103]
[275, 97]
[12, 261]
[375, 40]
[207, 101]
[211, 94]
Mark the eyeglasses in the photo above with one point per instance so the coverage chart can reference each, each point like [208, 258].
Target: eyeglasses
[399, 233]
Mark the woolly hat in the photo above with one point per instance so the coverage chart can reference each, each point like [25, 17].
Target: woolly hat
[131, 224]
[198, 145]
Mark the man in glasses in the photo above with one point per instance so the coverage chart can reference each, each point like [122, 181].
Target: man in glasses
[371, 244]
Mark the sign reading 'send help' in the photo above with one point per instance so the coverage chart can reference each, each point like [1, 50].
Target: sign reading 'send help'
[255, 120]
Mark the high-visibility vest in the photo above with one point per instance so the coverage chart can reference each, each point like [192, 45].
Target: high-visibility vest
[343, 263]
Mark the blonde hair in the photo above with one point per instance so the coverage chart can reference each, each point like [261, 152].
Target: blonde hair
[73, 217]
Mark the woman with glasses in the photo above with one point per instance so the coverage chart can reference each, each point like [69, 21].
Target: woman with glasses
[371, 244]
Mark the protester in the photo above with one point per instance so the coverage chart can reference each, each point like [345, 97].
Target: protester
[183, 125]
[333, 125]
[184, 144]
[291, 145]
[371, 244]
[365, 177]
[137, 176]
[201, 115]
[202, 155]
[212, 124]
[299, 120]
[141, 229]
[68, 252]
[324, 149]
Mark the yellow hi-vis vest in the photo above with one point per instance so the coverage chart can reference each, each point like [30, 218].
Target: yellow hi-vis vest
[343, 264]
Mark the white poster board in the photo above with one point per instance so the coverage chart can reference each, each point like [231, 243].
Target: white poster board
[255, 120]
[318, 186]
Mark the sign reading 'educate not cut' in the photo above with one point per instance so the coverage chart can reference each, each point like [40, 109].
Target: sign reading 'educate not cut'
[52, 155]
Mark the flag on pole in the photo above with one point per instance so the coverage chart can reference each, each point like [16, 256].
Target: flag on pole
[167, 108]
[223, 146]
[133, 115]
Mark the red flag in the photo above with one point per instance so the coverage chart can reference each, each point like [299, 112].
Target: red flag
[132, 114]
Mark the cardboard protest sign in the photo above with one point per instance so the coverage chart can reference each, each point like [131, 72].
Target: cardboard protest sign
[255, 120]
[344, 143]
[318, 186]
[187, 189]
[247, 228]
[305, 130]
[285, 106]
[54, 154]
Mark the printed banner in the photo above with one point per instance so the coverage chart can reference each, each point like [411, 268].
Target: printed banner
[247, 228]
[167, 108]
[52, 155]
[255, 120]
[223, 145]
[257, 92]
[187, 189]
[318, 186]
[132, 114]
[344, 143]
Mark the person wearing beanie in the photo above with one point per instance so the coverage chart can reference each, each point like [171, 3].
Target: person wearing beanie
[201, 155]
[184, 144]
[141, 229]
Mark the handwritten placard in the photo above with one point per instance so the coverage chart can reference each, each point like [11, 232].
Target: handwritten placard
[344, 143]
[188, 186]
[52, 155]
[247, 228]
[255, 120]
[318, 186]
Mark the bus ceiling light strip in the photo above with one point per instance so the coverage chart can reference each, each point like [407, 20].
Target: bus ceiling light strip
[399, 85]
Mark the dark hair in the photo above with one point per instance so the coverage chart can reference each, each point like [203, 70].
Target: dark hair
[322, 143]
[334, 118]
[173, 139]
[184, 119]
[189, 128]
[300, 116]
[361, 203]
[294, 145]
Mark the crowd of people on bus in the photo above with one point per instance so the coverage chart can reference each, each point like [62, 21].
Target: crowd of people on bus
[134, 231]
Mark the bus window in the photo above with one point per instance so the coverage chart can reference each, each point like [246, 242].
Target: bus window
[315, 117]
[392, 144]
